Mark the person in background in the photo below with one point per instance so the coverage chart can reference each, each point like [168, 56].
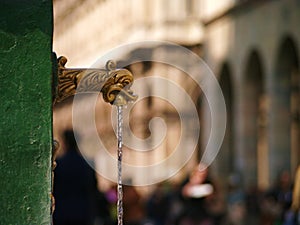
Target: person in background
[236, 201]
[158, 205]
[277, 201]
[134, 211]
[202, 205]
[77, 199]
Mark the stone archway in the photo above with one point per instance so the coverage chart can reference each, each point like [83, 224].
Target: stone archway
[285, 106]
[255, 123]
[226, 157]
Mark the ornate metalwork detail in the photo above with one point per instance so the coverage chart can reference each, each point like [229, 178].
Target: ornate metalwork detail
[54, 151]
[113, 83]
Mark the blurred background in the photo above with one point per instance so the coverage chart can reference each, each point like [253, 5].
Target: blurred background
[251, 46]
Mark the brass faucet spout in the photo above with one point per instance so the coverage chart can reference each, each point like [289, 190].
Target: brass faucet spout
[113, 83]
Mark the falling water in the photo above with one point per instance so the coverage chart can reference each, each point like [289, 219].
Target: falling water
[119, 187]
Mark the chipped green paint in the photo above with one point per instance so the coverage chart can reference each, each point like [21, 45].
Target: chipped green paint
[26, 114]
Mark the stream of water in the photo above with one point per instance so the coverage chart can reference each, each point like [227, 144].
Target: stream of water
[120, 153]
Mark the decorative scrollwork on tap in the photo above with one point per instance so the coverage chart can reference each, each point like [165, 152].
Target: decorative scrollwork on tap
[113, 83]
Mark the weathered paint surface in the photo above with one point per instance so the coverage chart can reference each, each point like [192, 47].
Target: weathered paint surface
[26, 115]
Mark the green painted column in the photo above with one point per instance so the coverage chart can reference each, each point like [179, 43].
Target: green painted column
[25, 111]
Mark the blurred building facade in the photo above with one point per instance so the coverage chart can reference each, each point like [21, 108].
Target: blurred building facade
[251, 46]
[84, 32]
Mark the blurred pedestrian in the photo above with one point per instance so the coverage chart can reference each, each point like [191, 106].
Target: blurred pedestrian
[134, 211]
[202, 205]
[75, 188]
[158, 205]
[278, 200]
[236, 201]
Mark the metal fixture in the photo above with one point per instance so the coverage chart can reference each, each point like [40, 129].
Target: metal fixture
[113, 83]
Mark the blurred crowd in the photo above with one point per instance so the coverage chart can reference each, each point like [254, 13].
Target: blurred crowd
[197, 200]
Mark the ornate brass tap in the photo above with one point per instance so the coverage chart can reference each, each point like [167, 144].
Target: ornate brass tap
[113, 83]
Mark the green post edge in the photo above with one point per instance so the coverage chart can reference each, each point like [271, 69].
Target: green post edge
[26, 111]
